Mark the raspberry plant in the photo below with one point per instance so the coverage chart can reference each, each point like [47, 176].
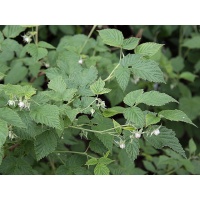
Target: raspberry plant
[54, 116]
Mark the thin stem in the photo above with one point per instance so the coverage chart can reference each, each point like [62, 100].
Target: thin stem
[36, 35]
[75, 152]
[186, 53]
[52, 165]
[100, 132]
[111, 74]
[95, 131]
[92, 30]
[88, 105]
[72, 100]
[180, 40]
[60, 159]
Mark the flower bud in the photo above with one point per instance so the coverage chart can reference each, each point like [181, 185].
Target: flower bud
[21, 104]
[80, 61]
[11, 103]
[137, 135]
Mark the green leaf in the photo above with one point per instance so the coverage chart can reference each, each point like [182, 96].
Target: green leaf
[57, 84]
[192, 146]
[106, 139]
[187, 76]
[72, 113]
[130, 60]
[165, 138]
[151, 119]
[1, 155]
[16, 166]
[101, 169]
[117, 127]
[32, 129]
[3, 133]
[92, 161]
[148, 70]
[175, 115]
[11, 117]
[135, 115]
[36, 52]
[148, 49]
[130, 43]
[197, 66]
[155, 98]
[45, 144]
[68, 94]
[97, 146]
[16, 74]
[45, 45]
[13, 31]
[2, 76]
[105, 161]
[131, 98]
[191, 106]
[101, 124]
[19, 91]
[98, 87]
[122, 75]
[177, 63]
[193, 43]
[46, 114]
[112, 37]
[149, 166]
[132, 149]
[113, 111]
[1, 37]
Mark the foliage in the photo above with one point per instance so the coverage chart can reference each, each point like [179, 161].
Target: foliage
[82, 105]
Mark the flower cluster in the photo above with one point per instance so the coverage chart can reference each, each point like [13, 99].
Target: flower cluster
[99, 104]
[22, 104]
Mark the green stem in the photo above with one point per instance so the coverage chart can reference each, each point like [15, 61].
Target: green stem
[111, 74]
[100, 132]
[75, 152]
[60, 159]
[36, 35]
[92, 30]
[180, 40]
[52, 165]
[88, 106]
[95, 131]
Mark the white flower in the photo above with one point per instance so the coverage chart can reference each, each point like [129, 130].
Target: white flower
[157, 132]
[21, 104]
[92, 111]
[47, 65]
[26, 104]
[122, 144]
[100, 103]
[80, 61]
[137, 135]
[11, 135]
[26, 38]
[11, 103]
